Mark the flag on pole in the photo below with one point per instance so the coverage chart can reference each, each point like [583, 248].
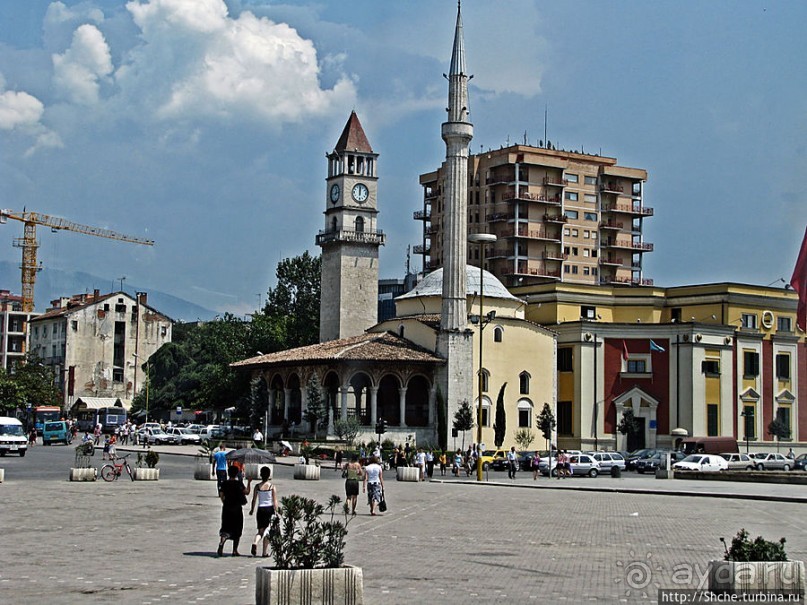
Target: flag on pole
[656, 347]
[799, 283]
[624, 351]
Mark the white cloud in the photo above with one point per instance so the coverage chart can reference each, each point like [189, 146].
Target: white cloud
[78, 71]
[19, 109]
[214, 65]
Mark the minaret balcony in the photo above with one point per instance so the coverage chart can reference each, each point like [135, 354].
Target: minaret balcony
[375, 238]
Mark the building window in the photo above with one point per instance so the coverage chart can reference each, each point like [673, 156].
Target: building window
[675, 315]
[749, 321]
[593, 235]
[749, 411]
[485, 380]
[783, 366]
[360, 224]
[590, 198]
[590, 180]
[586, 252]
[44, 331]
[594, 270]
[750, 364]
[567, 231]
[574, 269]
[575, 233]
[572, 178]
[586, 271]
[117, 374]
[524, 383]
[783, 416]
[590, 216]
[497, 334]
[574, 250]
[565, 358]
[712, 420]
[637, 366]
[120, 308]
[572, 214]
[566, 268]
[524, 414]
[587, 312]
[586, 234]
[485, 414]
[565, 418]
[783, 324]
[711, 367]
[571, 196]
[36, 332]
[74, 325]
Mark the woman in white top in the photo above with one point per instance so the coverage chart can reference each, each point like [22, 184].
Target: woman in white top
[373, 483]
[265, 495]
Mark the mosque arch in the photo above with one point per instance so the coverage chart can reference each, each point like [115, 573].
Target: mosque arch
[418, 391]
[389, 409]
[358, 405]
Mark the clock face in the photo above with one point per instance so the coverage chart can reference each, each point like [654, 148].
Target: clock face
[360, 193]
[334, 193]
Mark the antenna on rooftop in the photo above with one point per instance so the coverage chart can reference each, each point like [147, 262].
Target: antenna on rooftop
[546, 112]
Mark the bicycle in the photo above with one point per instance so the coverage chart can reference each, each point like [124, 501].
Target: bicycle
[110, 472]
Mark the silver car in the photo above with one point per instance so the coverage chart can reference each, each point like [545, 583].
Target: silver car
[184, 436]
[607, 460]
[739, 462]
[155, 437]
[773, 462]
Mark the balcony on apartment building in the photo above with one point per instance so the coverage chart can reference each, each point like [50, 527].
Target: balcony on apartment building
[525, 270]
[555, 255]
[554, 181]
[525, 232]
[501, 177]
[524, 195]
[555, 218]
[422, 215]
[635, 209]
[429, 193]
[611, 187]
[421, 249]
[627, 245]
[609, 260]
[612, 225]
[352, 236]
[625, 280]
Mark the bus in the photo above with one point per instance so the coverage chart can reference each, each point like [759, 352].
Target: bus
[45, 413]
[109, 418]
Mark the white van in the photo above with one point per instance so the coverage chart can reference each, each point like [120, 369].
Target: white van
[12, 437]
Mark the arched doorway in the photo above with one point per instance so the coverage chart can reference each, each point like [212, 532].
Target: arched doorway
[417, 401]
[389, 407]
[359, 398]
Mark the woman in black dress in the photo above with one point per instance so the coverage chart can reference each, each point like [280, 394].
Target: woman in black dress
[233, 496]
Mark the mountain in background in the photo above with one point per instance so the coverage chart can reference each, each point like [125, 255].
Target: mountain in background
[52, 284]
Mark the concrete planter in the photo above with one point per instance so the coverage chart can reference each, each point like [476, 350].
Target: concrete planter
[2, 475]
[253, 471]
[204, 472]
[83, 474]
[408, 473]
[147, 474]
[342, 585]
[768, 576]
[307, 472]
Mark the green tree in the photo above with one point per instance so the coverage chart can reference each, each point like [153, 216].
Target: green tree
[628, 425]
[31, 382]
[442, 436]
[546, 423]
[779, 428]
[500, 425]
[464, 419]
[294, 302]
[316, 411]
[347, 429]
[524, 438]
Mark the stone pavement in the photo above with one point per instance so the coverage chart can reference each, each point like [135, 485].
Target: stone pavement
[449, 542]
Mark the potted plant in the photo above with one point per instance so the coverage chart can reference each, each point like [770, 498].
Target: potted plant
[308, 551]
[756, 566]
[82, 469]
[307, 468]
[204, 464]
[151, 473]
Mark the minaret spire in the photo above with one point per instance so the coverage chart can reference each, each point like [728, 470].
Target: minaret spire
[457, 133]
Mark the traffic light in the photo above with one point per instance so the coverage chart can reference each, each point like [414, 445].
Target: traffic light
[381, 427]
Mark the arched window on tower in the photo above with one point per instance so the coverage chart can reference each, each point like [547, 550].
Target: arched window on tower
[485, 380]
[401, 330]
[498, 332]
[524, 383]
[333, 224]
[360, 224]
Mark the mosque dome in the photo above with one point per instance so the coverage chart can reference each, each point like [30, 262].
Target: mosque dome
[432, 285]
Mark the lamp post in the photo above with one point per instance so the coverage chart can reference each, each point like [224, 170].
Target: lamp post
[483, 320]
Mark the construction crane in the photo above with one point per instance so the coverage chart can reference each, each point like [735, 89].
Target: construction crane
[29, 244]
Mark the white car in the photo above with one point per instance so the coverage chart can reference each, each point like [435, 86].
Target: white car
[155, 437]
[705, 463]
[739, 462]
[184, 436]
[608, 459]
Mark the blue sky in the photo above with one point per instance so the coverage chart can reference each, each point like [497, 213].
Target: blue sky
[203, 124]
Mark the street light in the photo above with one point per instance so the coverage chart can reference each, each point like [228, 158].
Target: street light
[482, 320]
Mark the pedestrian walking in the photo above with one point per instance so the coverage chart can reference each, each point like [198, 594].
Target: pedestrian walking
[233, 496]
[536, 463]
[265, 496]
[31, 437]
[220, 465]
[257, 438]
[512, 463]
[352, 473]
[373, 483]
[455, 468]
[97, 434]
[337, 459]
[420, 462]
[105, 455]
[111, 450]
[429, 464]
[443, 461]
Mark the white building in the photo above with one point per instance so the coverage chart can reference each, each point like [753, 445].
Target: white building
[97, 344]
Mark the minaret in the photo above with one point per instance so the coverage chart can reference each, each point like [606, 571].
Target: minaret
[454, 341]
[351, 239]
[457, 134]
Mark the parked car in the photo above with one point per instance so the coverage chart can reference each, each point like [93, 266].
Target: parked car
[488, 456]
[608, 459]
[12, 436]
[212, 433]
[739, 462]
[581, 464]
[195, 428]
[155, 437]
[772, 462]
[184, 436]
[706, 463]
[656, 461]
[800, 463]
[630, 463]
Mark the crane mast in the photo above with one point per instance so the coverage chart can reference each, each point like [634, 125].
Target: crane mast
[29, 245]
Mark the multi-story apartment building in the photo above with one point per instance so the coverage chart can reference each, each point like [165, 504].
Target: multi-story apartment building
[703, 360]
[97, 344]
[558, 215]
[13, 329]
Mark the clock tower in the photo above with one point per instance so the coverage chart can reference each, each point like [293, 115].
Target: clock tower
[350, 240]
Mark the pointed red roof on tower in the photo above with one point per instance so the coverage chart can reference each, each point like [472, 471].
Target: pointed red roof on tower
[353, 137]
